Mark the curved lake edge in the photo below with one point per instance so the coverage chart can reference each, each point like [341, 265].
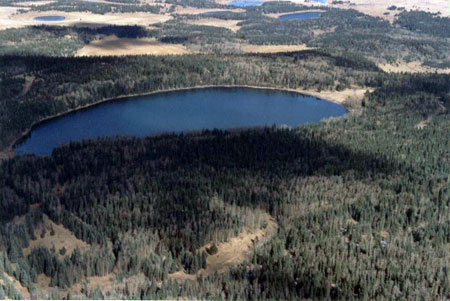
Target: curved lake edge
[9, 152]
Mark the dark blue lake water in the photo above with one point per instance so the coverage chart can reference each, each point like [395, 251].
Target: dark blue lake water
[245, 3]
[300, 16]
[179, 111]
[50, 18]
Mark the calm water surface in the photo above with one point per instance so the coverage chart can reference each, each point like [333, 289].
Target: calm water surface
[179, 111]
[300, 16]
[50, 18]
[245, 3]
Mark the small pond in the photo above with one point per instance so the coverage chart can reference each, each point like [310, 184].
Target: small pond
[49, 18]
[300, 16]
[245, 3]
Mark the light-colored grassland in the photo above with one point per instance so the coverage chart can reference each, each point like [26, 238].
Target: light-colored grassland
[12, 20]
[195, 11]
[229, 24]
[273, 48]
[55, 236]
[377, 8]
[411, 67]
[112, 45]
[233, 252]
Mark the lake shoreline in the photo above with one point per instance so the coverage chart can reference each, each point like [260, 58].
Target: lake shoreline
[10, 153]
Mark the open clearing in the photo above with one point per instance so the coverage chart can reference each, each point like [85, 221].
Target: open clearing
[377, 8]
[195, 11]
[12, 20]
[411, 67]
[273, 48]
[55, 236]
[112, 45]
[229, 24]
[232, 252]
[344, 96]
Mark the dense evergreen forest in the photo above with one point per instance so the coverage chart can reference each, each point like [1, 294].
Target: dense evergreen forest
[76, 82]
[376, 196]
[356, 207]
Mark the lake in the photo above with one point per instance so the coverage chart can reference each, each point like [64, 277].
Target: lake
[179, 111]
[300, 16]
[50, 18]
[245, 3]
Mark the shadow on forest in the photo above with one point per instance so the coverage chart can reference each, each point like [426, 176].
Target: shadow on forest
[213, 162]
[86, 29]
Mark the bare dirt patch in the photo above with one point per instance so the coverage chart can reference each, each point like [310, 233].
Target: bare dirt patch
[112, 45]
[50, 235]
[229, 24]
[273, 48]
[411, 67]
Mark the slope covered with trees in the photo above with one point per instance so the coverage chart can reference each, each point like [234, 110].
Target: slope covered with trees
[60, 84]
[370, 188]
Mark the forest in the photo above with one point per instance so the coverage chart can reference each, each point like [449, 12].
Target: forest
[414, 36]
[75, 82]
[377, 197]
[355, 207]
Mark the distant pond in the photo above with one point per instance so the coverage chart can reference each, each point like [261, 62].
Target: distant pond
[49, 18]
[300, 16]
[245, 3]
[179, 111]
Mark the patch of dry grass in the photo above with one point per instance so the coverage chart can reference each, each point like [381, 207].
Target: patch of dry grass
[111, 46]
[11, 20]
[411, 67]
[195, 11]
[50, 235]
[229, 24]
[273, 48]
[235, 251]
[23, 290]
